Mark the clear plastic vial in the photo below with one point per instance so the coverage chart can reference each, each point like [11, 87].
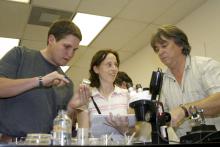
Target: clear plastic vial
[62, 128]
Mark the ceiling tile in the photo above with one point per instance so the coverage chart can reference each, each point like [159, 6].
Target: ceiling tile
[140, 41]
[35, 32]
[102, 7]
[183, 8]
[67, 5]
[117, 33]
[13, 18]
[145, 10]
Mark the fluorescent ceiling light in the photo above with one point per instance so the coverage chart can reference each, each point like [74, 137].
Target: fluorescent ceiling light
[7, 44]
[90, 26]
[21, 1]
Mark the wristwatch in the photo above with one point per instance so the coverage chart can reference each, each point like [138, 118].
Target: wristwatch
[40, 81]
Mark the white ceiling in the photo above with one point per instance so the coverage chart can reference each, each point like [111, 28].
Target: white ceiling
[129, 30]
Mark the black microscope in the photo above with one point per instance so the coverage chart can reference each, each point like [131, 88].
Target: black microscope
[151, 111]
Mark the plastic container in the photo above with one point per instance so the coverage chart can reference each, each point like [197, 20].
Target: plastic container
[62, 128]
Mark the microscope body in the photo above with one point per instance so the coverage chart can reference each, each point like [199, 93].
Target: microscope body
[150, 110]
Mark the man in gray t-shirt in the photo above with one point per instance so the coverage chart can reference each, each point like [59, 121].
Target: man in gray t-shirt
[33, 85]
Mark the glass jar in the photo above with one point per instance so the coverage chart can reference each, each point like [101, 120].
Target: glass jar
[38, 139]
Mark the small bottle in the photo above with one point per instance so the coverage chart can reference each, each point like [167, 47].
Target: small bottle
[139, 88]
[140, 93]
[132, 94]
[62, 128]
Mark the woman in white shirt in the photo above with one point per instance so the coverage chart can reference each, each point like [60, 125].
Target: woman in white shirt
[110, 99]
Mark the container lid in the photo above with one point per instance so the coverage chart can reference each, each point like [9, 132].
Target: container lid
[61, 107]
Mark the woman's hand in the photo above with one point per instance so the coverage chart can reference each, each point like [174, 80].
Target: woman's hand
[118, 122]
[81, 97]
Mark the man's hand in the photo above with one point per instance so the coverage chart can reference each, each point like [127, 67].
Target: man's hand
[54, 79]
[177, 117]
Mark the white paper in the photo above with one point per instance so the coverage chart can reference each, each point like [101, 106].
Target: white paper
[99, 126]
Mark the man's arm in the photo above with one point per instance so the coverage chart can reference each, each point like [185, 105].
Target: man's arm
[13, 87]
[210, 106]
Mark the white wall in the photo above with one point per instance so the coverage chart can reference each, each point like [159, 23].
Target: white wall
[203, 30]
[141, 65]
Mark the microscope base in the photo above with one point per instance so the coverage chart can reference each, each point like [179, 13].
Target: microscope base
[201, 134]
[204, 128]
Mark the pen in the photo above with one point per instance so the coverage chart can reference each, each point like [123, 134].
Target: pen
[96, 106]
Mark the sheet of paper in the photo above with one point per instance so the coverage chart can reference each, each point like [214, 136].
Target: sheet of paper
[99, 125]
